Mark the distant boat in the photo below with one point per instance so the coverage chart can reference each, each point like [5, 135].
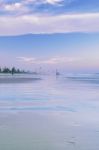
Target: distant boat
[57, 73]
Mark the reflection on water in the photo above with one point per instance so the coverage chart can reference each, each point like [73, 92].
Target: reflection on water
[49, 113]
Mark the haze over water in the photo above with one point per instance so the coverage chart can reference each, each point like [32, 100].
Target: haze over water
[51, 113]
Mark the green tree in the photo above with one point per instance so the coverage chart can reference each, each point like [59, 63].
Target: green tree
[13, 70]
[6, 70]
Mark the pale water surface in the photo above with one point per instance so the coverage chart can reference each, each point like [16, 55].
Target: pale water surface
[51, 113]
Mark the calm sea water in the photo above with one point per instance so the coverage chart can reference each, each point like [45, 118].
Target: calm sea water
[51, 113]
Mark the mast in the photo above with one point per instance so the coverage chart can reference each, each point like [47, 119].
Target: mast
[57, 73]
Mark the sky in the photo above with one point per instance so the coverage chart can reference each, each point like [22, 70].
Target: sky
[61, 34]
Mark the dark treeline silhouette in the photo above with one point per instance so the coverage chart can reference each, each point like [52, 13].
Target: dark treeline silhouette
[12, 70]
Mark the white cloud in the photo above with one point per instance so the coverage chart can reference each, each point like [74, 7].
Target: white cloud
[87, 22]
[16, 7]
[59, 60]
[24, 4]
[51, 61]
[58, 2]
[28, 6]
[12, 7]
[26, 59]
[52, 2]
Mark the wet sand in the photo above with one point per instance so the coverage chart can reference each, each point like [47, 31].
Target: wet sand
[46, 130]
[51, 114]
[18, 79]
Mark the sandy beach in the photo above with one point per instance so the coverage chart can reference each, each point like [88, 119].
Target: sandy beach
[17, 79]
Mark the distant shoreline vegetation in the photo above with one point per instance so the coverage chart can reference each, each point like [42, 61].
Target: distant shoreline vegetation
[12, 70]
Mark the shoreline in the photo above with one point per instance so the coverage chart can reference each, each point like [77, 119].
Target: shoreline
[15, 79]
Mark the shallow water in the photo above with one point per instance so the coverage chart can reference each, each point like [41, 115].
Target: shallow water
[54, 113]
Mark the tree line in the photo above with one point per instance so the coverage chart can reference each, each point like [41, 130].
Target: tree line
[12, 70]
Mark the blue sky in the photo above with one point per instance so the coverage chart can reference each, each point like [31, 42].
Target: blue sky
[50, 33]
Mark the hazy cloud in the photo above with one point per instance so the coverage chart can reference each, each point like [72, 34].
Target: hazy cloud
[87, 22]
[51, 2]
[27, 59]
[53, 60]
